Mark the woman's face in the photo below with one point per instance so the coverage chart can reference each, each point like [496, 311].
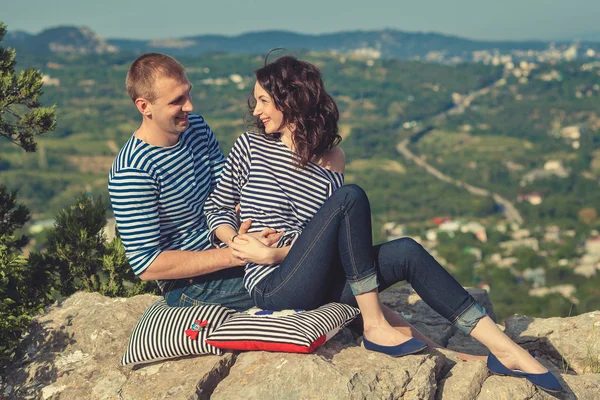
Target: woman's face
[265, 109]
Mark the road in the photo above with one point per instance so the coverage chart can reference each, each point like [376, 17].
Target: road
[510, 212]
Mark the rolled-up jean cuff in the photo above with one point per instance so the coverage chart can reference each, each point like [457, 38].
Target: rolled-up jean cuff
[364, 285]
[467, 321]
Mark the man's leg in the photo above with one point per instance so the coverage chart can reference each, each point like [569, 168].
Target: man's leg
[223, 287]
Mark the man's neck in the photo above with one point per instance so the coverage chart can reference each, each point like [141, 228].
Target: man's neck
[155, 136]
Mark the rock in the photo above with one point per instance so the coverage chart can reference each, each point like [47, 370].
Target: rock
[74, 352]
[569, 343]
[332, 372]
[582, 386]
[463, 381]
[190, 377]
[504, 387]
[76, 349]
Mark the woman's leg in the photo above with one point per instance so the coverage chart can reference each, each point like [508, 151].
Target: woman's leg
[510, 354]
[339, 236]
[405, 259]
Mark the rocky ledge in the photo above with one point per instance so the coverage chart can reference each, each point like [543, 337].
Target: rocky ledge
[74, 350]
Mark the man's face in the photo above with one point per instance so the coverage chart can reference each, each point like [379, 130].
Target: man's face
[170, 109]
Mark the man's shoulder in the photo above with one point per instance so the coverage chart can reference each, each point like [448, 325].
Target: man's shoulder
[198, 125]
[198, 133]
[131, 157]
[196, 120]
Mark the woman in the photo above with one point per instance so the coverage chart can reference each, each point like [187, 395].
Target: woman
[289, 177]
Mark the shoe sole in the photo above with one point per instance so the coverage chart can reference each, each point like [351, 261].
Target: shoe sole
[400, 355]
[362, 344]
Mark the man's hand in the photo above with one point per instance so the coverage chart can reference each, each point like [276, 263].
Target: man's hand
[268, 236]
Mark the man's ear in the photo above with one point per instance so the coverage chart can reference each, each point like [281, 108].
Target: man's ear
[143, 106]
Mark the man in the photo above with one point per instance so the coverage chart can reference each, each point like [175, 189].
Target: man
[158, 184]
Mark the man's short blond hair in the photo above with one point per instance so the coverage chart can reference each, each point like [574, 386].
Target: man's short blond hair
[144, 71]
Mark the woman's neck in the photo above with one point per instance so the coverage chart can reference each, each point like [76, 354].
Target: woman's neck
[287, 139]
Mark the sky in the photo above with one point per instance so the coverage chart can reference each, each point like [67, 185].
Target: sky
[158, 19]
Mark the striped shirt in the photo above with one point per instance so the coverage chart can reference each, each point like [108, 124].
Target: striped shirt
[158, 193]
[262, 177]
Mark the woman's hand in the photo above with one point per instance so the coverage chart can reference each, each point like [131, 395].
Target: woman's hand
[268, 236]
[251, 250]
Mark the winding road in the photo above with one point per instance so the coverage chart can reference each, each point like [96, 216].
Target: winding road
[510, 212]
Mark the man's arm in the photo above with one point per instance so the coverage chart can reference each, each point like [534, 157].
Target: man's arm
[177, 264]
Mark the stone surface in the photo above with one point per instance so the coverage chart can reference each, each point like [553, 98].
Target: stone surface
[74, 352]
[332, 372]
[504, 387]
[463, 381]
[569, 343]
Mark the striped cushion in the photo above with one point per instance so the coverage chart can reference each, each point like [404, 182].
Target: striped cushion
[161, 332]
[292, 331]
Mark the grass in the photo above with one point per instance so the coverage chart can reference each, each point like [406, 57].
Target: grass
[563, 361]
[592, 353]
[381, 164]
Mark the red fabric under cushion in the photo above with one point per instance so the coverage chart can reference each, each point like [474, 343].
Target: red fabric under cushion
[268, 346]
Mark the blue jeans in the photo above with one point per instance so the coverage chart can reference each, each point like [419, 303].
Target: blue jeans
[334, 260]
[225, 287]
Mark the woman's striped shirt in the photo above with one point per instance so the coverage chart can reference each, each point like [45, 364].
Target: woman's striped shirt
[262, 177]
[158, 193]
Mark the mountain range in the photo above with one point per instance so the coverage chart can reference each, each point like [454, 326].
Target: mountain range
[385, 43]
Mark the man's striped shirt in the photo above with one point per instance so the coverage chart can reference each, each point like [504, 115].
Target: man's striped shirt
[158, 193]
[262, 177]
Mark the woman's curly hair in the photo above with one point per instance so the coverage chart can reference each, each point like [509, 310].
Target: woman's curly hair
[311, 113]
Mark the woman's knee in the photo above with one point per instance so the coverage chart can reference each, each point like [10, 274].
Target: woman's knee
[351, 193]
[410, 248]
[407, 244]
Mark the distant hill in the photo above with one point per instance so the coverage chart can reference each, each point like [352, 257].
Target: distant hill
[588, 37]
[386, 43]
[17, 36]
[62, 39]
[382, 43]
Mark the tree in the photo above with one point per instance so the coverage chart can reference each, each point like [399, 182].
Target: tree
[21, 115]
[588, 215]
[77, 253]
[23, 290]
[76, 245]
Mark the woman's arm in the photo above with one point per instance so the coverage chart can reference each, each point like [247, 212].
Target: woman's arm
[220, 207]
[225, 233]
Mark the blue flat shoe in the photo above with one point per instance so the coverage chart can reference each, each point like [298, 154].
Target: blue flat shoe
[545, 381]
[409, 347]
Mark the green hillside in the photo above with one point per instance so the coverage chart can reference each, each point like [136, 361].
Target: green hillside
[95, 117]
[535, 133]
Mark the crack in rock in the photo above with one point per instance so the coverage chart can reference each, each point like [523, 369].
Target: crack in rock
[211, 380]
